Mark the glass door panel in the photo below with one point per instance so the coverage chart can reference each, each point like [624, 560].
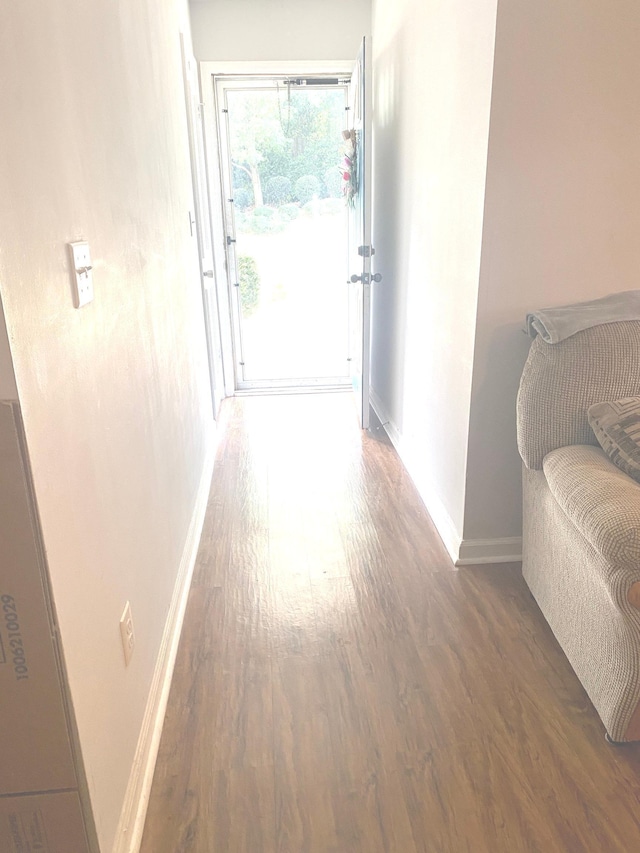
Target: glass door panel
[290, 229]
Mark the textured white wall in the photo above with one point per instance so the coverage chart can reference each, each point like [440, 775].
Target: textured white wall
[562, 209]
[279, 29]
[432, 76]
[114, 396]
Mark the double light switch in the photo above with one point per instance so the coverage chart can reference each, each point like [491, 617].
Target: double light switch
[81, 273]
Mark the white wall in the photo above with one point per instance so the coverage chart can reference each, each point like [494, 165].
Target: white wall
[562, 219]
[432, 76]
[114, 396]
[8, 390]
[279, 29]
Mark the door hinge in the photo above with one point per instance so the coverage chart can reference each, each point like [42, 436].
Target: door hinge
[366, 251]
[225, 111]
[236, 284]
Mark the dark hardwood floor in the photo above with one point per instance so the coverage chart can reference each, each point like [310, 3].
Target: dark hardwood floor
[340, 688]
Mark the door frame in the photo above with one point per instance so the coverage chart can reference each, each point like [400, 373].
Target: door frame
[200, 222]
[208, 72]
[361, 250]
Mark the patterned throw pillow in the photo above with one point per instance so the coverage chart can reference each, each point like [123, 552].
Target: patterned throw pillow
[616, 425]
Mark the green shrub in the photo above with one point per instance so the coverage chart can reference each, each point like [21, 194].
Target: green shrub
[261, 223]
[249, 284]
[242, 198]
[264, 212]
[288, 212]
[333, 182]
[331, 205]
[306, 188]
[277, 190]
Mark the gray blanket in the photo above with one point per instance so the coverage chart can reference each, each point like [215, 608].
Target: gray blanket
[556, 324]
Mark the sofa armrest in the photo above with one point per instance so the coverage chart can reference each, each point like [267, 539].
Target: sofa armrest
[602, 501]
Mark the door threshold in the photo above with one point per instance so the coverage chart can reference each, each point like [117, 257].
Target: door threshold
[329, 388]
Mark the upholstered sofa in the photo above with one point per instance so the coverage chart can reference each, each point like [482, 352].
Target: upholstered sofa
[581, 537]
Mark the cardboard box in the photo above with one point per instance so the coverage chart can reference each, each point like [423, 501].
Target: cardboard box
[45, 823]
[35, 747]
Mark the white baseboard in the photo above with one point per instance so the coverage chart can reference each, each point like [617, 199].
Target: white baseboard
[134, 810]
[442, 521]
[478, 551]
[463, 552]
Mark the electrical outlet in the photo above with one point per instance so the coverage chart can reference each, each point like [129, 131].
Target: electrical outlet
[127, 634]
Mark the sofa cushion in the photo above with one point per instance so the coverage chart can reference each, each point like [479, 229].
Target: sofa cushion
[616, 425]
[600, 499]
[560, 381]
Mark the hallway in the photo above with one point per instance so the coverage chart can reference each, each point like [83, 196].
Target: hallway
[340, 688]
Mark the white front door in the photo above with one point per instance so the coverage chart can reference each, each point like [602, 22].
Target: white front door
[200, 224]
[358, 151]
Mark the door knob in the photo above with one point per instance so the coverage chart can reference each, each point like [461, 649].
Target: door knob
[365, 278]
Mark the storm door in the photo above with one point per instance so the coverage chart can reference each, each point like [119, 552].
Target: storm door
[285, 219]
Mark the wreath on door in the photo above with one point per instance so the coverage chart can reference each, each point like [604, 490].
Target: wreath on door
[350, 166]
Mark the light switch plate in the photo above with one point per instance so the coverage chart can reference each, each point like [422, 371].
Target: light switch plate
[81, 273]
[127, 634]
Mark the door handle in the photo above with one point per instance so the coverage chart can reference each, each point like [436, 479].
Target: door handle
[208, 273]
[230, 240]
[365, 278]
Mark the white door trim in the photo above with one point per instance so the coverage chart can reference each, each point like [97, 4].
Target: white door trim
[204, 236]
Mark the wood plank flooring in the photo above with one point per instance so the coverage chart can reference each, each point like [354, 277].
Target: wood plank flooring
[340, 688]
